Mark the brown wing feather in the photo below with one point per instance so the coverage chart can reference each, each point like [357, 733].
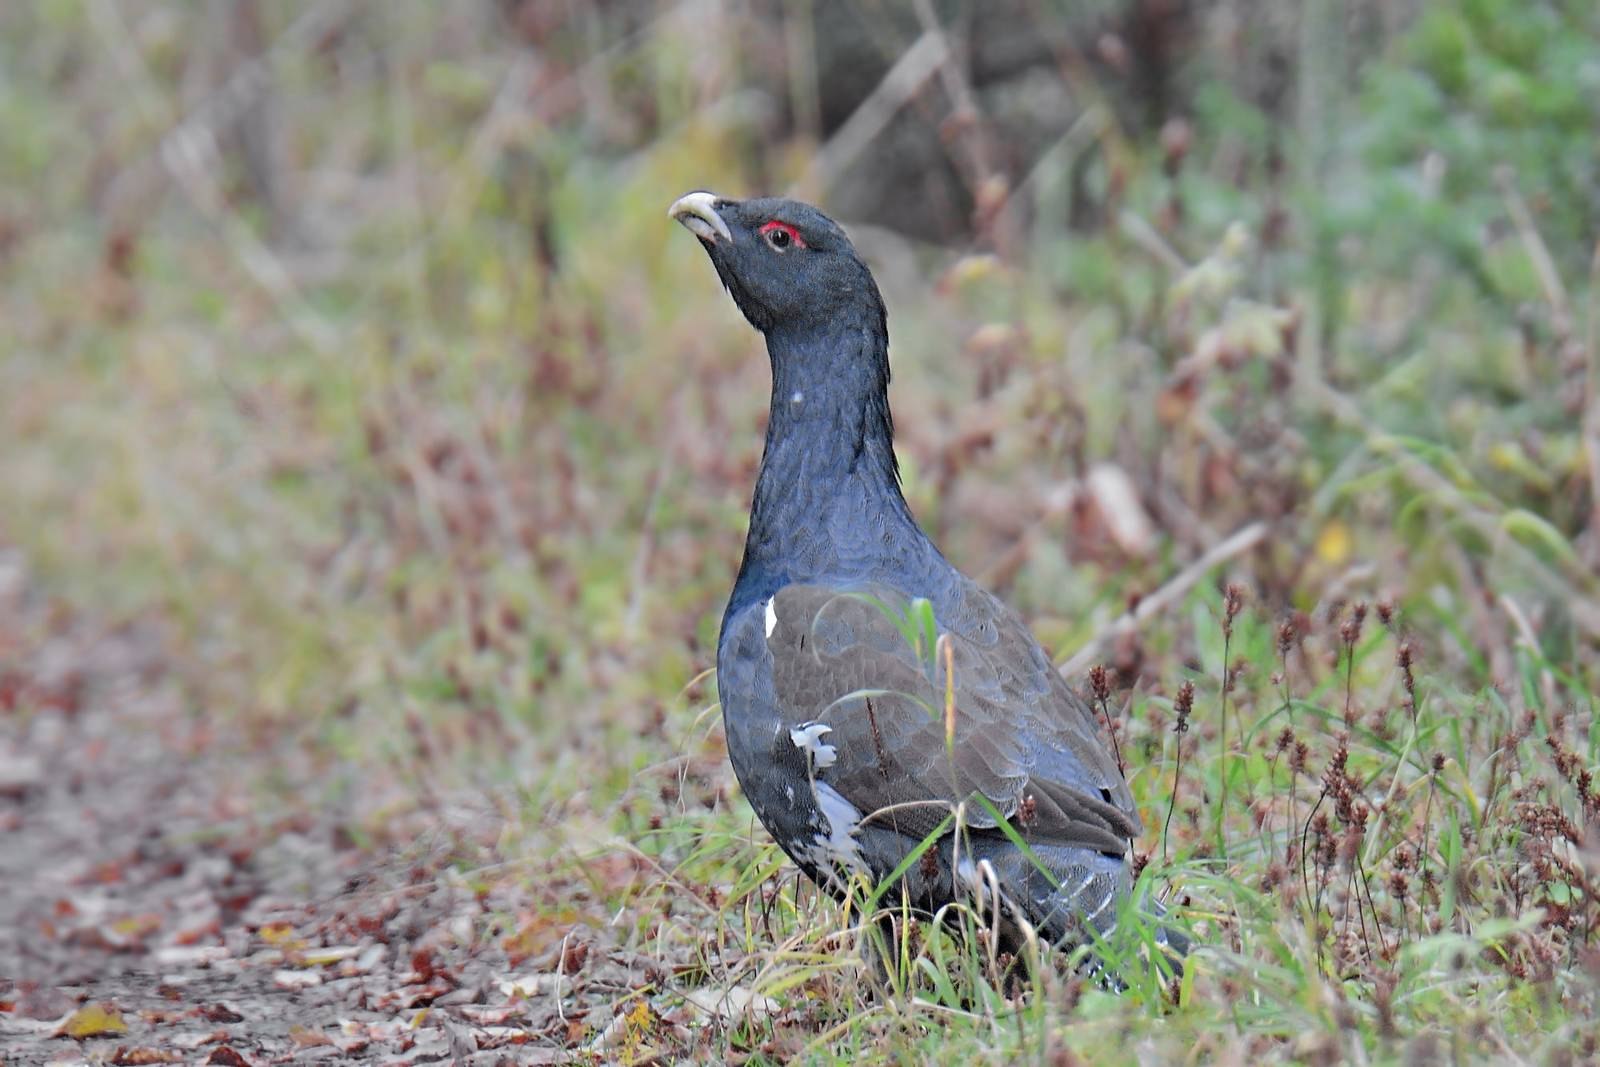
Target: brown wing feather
[845, 659]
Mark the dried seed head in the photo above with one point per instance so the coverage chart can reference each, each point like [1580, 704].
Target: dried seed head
[1350, 632]
[1183, 705]
[1232, 604]
[1285, 636]
[1099, 683]
[1275, 875]
[1386, 612]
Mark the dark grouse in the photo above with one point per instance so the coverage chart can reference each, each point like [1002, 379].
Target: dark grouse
[846, 624]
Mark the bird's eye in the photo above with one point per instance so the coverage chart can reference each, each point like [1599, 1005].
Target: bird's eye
[781, 236]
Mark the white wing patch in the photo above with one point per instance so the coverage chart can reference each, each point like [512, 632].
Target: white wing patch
[840, 845]
[808, 737]
[772, 616]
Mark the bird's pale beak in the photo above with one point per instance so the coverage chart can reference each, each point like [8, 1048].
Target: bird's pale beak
[697, 212]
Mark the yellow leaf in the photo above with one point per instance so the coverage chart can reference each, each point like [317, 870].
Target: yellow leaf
[93, 1020]
[1333, 543]
[280, 935]
[970, 269]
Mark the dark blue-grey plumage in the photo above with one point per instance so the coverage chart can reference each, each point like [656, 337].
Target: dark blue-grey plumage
[869, 689]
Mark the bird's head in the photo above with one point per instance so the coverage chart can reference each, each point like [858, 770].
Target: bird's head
[786, 264]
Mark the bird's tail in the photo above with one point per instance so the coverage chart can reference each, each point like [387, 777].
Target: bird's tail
[1072, 896]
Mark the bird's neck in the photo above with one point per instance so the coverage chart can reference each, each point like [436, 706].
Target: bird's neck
[827, 501]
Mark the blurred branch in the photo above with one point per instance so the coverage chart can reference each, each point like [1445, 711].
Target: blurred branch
[800, 57]
[1530, 641]
[1141, 233]
[1549, 278]
[989, 190]
[187, 149]
[1242, 541]
[1320, 45]
[1591, 405]
[903, 81]
[1055, 163]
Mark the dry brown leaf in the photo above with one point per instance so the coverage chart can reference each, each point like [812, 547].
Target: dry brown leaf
[732, 1003]
[133, 1057]
[304, 1037]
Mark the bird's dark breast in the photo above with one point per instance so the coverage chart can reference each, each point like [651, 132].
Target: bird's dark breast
[773, 773]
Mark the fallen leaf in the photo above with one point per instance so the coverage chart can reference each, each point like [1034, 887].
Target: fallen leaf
[496, 1036]
[321, 957]
[535, 985]
[307, 1038]
[135, 928]
[573, 956]
[370, 958]
[629, 1029]
[189, 955]
[484, 1015]
[92, 1020]
[732, 1003]
[281, 935]
[132, 1057]
[228, 1057]
[296, 979]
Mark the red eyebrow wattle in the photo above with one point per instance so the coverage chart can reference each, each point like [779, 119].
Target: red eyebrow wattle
[774, 224]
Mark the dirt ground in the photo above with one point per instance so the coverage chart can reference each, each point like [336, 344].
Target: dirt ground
[162, 904]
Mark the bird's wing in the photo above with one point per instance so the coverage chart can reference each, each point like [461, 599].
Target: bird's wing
[920, 718]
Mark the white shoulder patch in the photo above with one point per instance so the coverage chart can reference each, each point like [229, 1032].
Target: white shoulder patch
[772, 615]
[808, 737]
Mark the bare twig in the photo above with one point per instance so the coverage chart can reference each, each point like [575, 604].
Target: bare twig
[1549, 278]
[1139, 230]
[1240, 542]
[1490, 634]
[977, 168]
[908, 75]
[1547, 682]
[1591, 419]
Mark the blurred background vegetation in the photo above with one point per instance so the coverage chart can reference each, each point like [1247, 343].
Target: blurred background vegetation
[349, 344]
